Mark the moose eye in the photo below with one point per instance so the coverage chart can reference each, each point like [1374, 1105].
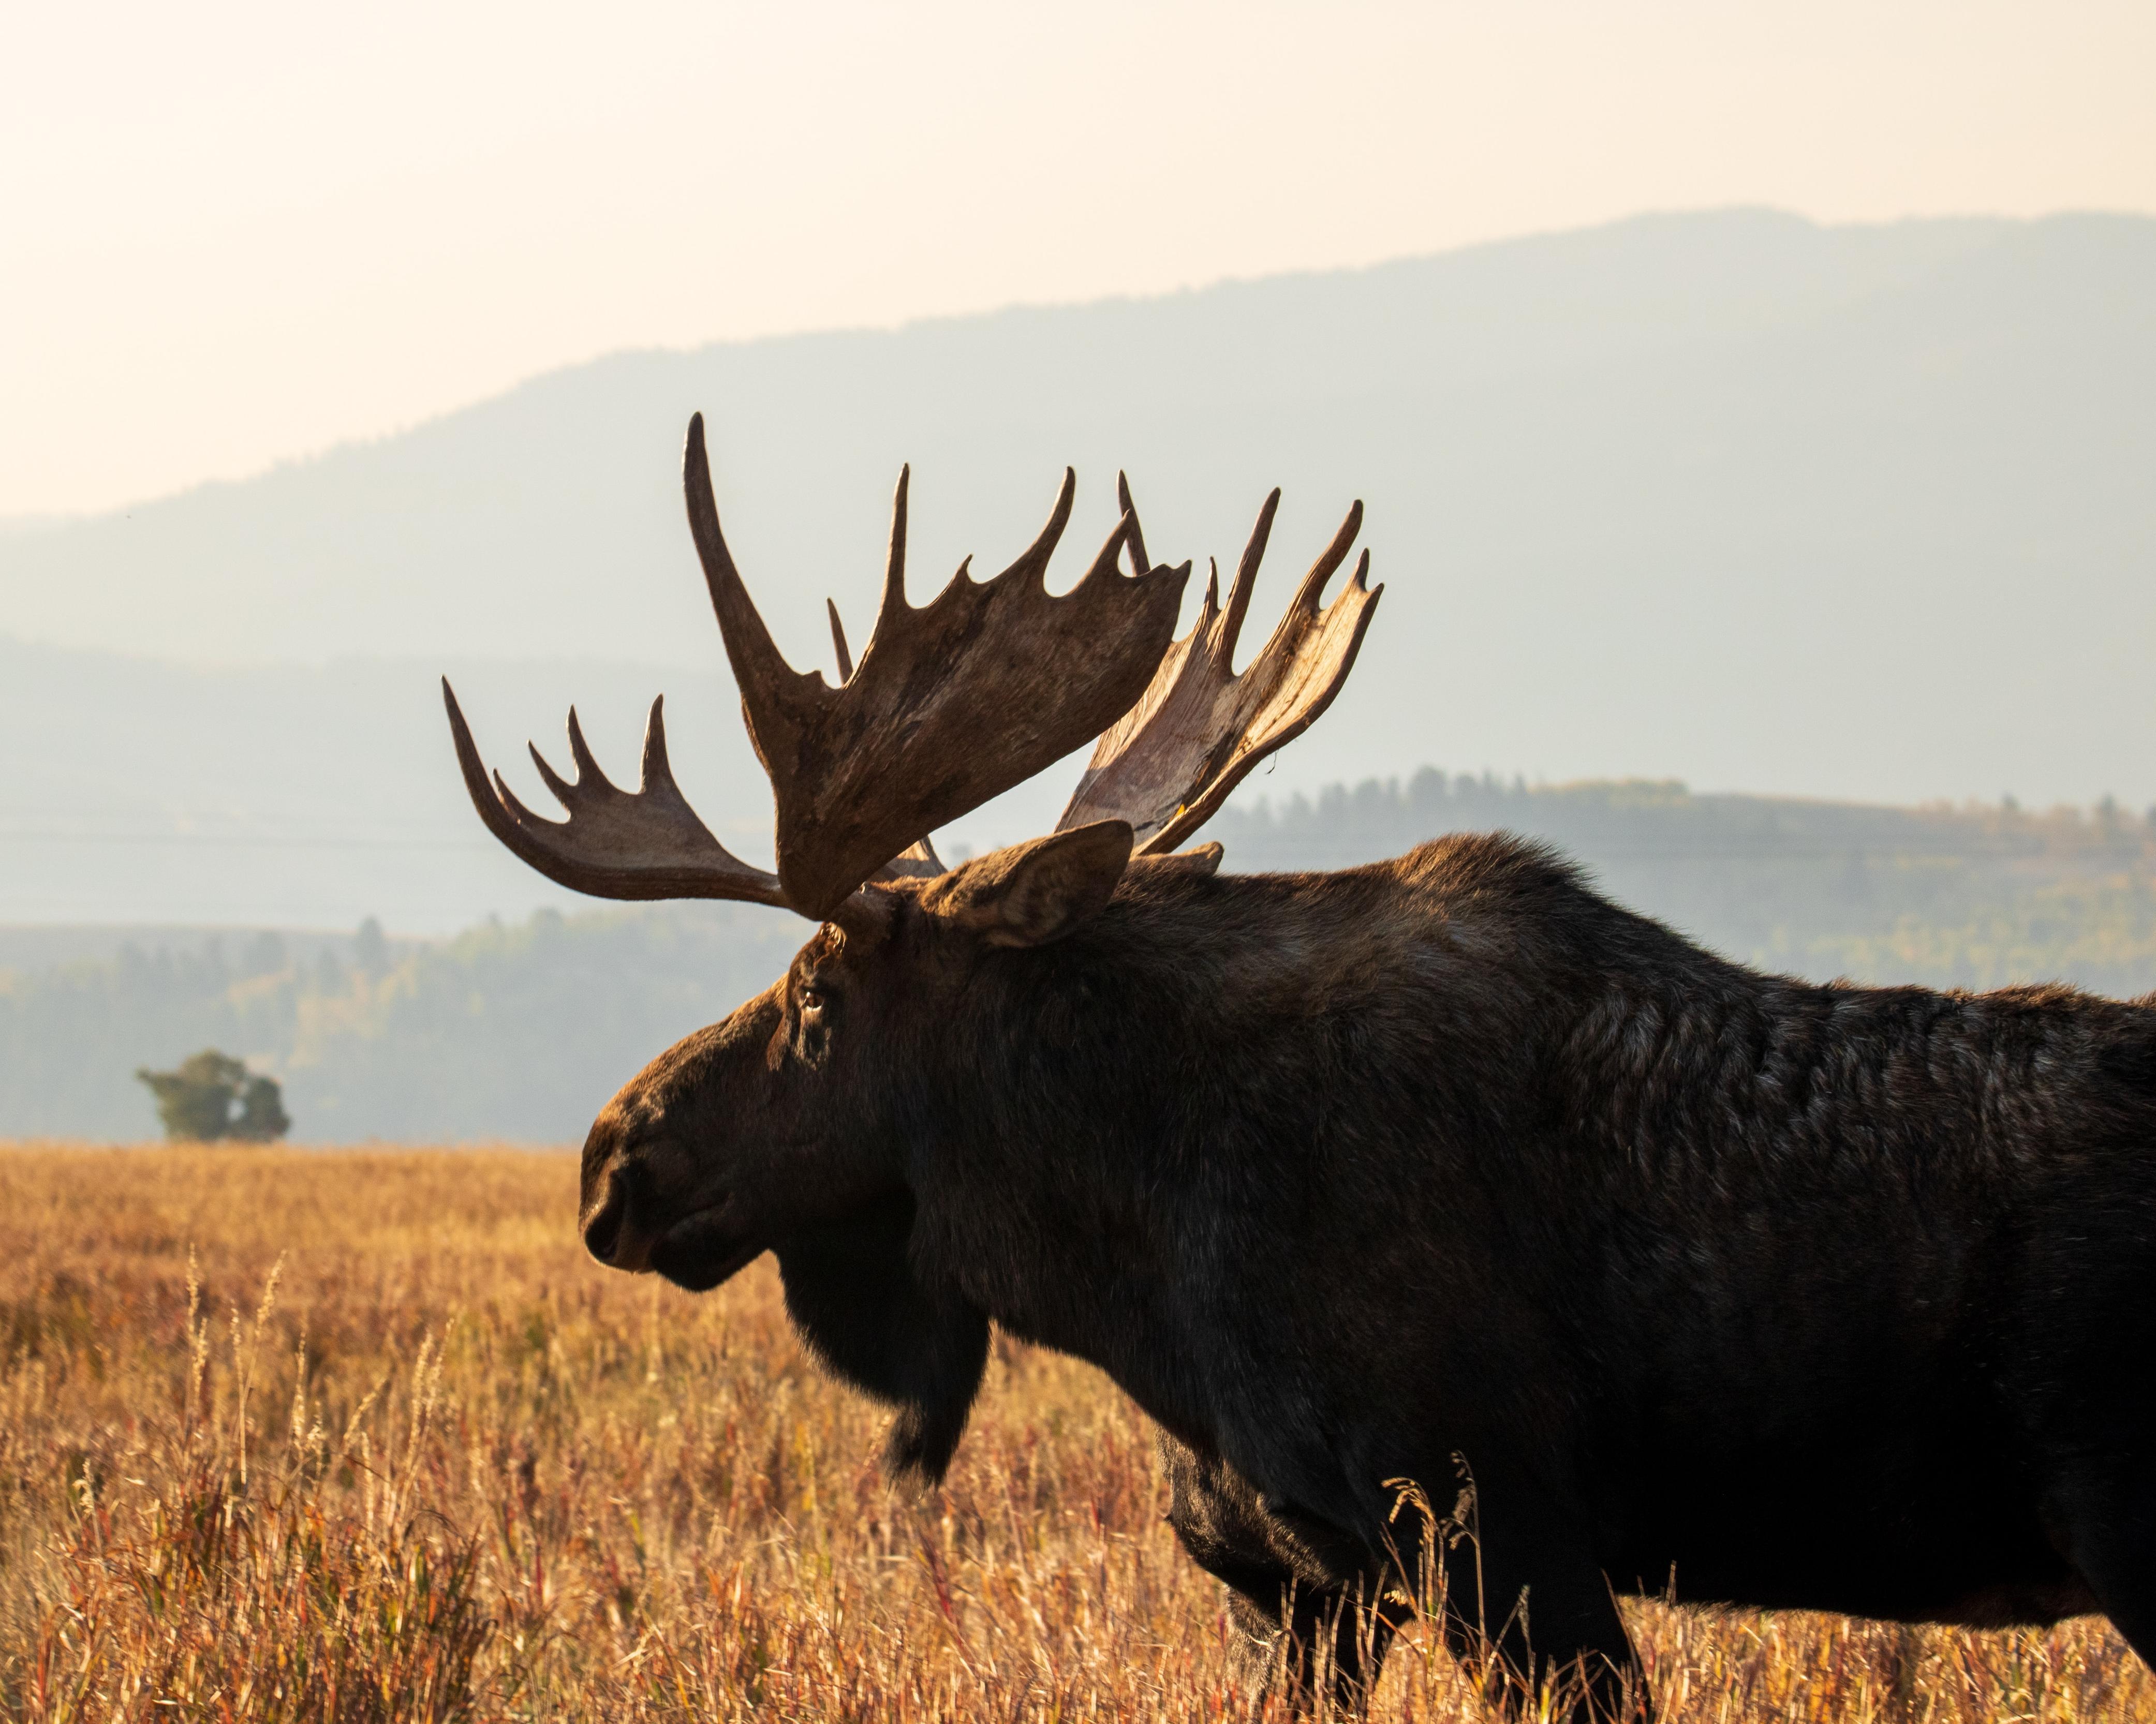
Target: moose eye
[812, 1000]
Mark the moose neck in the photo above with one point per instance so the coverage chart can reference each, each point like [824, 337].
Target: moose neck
[1077, 1167]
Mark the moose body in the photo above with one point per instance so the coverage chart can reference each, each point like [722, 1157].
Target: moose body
[1444, 1171]
[1717, 1285]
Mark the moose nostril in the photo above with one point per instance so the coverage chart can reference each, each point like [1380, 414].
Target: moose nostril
[603, 1232]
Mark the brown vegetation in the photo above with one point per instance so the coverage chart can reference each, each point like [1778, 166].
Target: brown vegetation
[405, 1452]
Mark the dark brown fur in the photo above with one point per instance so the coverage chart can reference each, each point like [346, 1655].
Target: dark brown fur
[1715, 1283]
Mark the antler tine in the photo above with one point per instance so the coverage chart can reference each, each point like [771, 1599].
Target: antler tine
[580, 750]
[1141, 562]
[894, 567]
[1032, 562]
[1246, 575]
[758, 663]
[616, 844]
[1198, 729]
[554, 781]
[839, 642]
[1330, 558]
[654, 768]
[1139, 559]
[1111, 550]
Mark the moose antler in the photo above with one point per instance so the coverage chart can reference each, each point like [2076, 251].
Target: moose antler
[615, 843]
[950, 704]
[945, 707]
[1169, 762]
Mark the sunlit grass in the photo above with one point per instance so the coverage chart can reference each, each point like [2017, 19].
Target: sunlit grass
[404, 1453]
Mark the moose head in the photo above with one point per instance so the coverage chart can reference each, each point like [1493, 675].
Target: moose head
[788, 1114]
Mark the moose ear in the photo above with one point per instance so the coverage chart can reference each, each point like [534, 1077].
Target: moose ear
[1033, 893]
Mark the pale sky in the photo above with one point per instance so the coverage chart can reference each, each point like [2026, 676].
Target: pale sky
[235, 233]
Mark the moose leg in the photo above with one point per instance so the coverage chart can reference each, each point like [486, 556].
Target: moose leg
[1322, 1636]
[2095, 1404]
[1333, 1640]
[1317, 1642]
[1524, 1589]
[2108, 1527]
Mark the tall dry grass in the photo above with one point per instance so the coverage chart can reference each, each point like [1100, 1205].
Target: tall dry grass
[363, 1436]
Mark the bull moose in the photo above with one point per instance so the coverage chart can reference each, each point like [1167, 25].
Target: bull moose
[1717, 1285]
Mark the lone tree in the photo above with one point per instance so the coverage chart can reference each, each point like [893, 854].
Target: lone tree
[212, 1097]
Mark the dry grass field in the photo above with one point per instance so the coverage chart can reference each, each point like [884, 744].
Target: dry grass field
[363, 1436]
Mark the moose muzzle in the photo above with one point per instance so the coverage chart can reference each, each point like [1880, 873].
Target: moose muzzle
[620, 1220]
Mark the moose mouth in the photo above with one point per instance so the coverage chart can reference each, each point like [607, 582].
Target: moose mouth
[698, 1251]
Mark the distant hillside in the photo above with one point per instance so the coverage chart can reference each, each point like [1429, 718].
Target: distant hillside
[1969, 897]
[523, 1031]
[1732, 497]
[517, 1033]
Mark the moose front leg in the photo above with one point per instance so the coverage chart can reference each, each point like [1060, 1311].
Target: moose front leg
[1320, 1627]
[1328, 1641]
[1526, 1599]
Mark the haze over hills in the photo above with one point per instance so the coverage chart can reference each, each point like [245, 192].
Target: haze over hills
[1733, 498]
[147, 791]
[523, 1031]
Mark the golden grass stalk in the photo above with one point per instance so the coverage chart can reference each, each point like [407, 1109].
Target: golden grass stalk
[360, 1436]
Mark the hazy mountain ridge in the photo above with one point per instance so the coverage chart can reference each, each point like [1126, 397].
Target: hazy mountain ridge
[544, 491]
[1730, 497]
